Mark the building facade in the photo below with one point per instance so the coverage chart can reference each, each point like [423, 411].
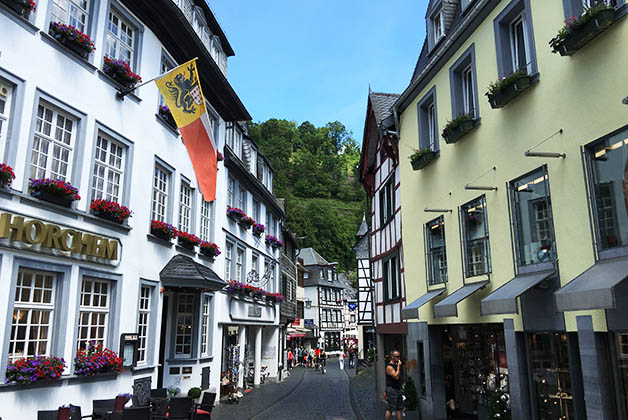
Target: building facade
[380, 176]
[117, 284]
[366, 324]
[288, 288]
[517, 213]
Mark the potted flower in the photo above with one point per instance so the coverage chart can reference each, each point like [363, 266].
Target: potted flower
[21, 7]
[219, 156]
[421, 157]
[120, 71]
[274, 241]
[249, 289]
[235, 213]
[110, 210]
[274, 297]
[258, 229]
[33, 369]
[246, 222]
[505, 89]
[173, 391]
[578, 31]
[458, 127]
[188, 240]
[258, 293]
[163, 230]
[95, 360]
[235, 287]
[6, 175]
[166, 115]
[53, 191]
[209, 249]
[72, 38]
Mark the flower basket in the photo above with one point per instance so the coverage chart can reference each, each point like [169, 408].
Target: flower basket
[54, 191]
[34, 369]
[188, 241]
[235, 288]
[458, 127]
[246, 222]
[72, 38]
[209, 249]
[258, 229]
[274, 297]
[421, 158]
[235, 213]
[120, 71]
[96, 360]
[110, 210]
[249, 289]
[274, 241]
[166, 115]
[6, 175]
[508, 88]
[163, 230]
[21, 7]
[577, 32]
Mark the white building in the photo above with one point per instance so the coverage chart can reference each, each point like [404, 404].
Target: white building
[60, 118]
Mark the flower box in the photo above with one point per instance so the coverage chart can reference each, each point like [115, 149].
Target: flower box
[53, 191]
[110, 210]
[72, 38]
[120, 71]
[235, 213]
[21, 7]
[166, 115]
[457, 128]
[258, 230]
[6, 175]
[509, 90]
[96, 359]
[163, 230]
[577, 32]
[209, 249]
[421, 158]
[34, 369]
[246, 222]
[188, 241]
[274, 241]
[274, 297]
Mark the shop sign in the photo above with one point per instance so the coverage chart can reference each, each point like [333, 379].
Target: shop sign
[255, 311]
[39, 236]
[308, 322]
[242, 310]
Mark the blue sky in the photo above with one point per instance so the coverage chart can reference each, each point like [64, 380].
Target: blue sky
[314, 60]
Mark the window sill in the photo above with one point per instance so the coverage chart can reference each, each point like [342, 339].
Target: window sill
[142, 369]
[190, 361]
[24, 23]
[251, 300]
[534, 268]
[70, 379]
[206, 258]
[117, 86]
[69, 53]
[613, 253]
[392, 300]
[45, 205]
[512, 92]
[167, 126]
[462, 131]
[185, 250]
[479, 278]
[121, 227]
[158, 241]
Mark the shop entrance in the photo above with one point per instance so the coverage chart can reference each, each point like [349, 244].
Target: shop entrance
[475, 366]
[230, 367]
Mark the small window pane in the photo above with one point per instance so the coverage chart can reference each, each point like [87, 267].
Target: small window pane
[437, 256]
[476, 242]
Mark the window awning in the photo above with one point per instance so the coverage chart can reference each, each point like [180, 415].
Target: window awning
[411, 311]
[449, 305]
[183, 272]
[595, 288]
[504, 299]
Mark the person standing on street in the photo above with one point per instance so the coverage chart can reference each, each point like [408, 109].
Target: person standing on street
[393, 392]
[341, 359]
[290, 359]
[323, 357]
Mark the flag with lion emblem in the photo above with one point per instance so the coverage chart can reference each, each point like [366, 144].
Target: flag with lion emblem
[182, 92]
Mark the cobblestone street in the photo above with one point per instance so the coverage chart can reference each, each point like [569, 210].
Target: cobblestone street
[305, 395]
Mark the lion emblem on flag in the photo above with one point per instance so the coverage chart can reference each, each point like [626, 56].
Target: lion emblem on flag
[186, 92]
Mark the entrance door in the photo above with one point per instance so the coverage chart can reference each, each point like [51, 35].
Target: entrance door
[162, 343]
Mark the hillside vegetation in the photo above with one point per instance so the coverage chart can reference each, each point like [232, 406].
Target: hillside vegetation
[315, 170]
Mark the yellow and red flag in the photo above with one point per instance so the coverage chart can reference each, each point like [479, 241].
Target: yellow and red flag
[181, 89]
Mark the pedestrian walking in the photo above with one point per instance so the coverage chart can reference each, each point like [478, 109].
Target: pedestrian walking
[351, 358]
[311, 357]
[393, 394]
[341, 359]
[323, 357]
[290, 359]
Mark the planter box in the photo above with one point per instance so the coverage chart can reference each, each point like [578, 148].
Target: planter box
[18, 8]
[579, 38]
[59, 200]
[72, 46]
[160, 234]
[244, 224]
[208, 254]
[456, 134]
[121, 81]
[186, 245]
[511, 92]
[234, 217]
[108, 216]
[422, 162]
[168, 119]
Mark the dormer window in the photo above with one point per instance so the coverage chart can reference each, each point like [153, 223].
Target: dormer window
[438, 27]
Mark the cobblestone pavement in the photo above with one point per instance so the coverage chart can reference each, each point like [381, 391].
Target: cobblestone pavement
[365, 402]
[305, 395]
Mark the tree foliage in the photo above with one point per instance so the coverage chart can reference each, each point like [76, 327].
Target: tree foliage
[315, 170]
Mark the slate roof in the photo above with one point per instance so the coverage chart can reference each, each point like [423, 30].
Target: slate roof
[364, 228]
[382, 104]
[183, 271]
[311, 257]
[350, 292]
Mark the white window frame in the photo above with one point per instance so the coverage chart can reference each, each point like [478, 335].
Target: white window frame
[6, 96]
[94, 318]
[205, 326]
[71, 13]
[432, 130]
[109, 164]
[514, 45]
[438, 27]
[257, 210]
[255, 264]
[186, 194]
[182, 318]
[159, 204]
[30, 305]
[206, 220]
[228, 259]
[45, 145]
[143, 323]
[165, 66]
[230, 191]
[242, 197]
[468, 95]
[239, 264]
[115, 41]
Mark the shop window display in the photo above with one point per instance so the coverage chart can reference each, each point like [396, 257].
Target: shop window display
[549, 360]
[622, 368]
[475, 367]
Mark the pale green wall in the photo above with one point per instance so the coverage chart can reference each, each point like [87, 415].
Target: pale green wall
[581, 94]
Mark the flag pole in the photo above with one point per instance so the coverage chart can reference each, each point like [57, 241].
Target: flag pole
[122, 93]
